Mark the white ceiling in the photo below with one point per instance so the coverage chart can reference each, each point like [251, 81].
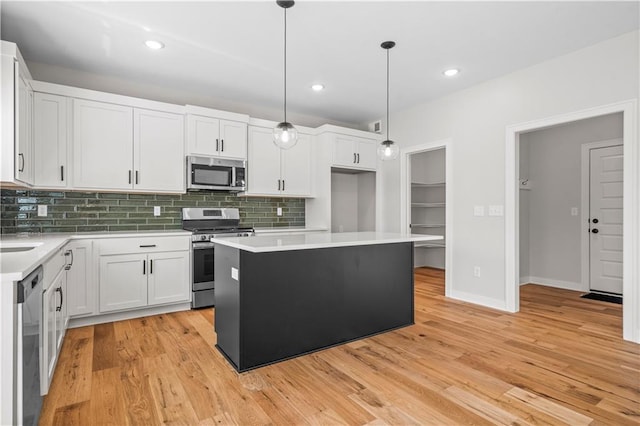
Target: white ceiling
[233, 50]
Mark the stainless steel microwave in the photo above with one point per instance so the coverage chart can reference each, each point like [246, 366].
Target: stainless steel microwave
[216, 174]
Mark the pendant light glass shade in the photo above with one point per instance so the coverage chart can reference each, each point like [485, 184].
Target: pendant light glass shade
[285, 136]
[388, 150]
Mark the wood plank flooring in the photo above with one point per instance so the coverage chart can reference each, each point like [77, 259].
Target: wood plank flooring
[561, 360]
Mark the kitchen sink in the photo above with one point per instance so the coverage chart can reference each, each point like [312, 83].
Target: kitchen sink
[18, 247]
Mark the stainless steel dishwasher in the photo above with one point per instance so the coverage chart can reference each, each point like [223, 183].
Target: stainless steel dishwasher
[29, 300]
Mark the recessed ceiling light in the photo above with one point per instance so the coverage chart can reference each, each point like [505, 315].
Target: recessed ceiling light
[154, 44]
[317, 87]
[451, 72]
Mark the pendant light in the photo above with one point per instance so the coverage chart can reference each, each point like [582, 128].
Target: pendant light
[388, 150]
[285, 136]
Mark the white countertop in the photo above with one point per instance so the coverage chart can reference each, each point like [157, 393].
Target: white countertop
[315, 240]
[17, 265]
[289, 230]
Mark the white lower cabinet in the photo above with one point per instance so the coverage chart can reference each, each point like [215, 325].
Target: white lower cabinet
[135, 273]
[54, 324]
[81, 294]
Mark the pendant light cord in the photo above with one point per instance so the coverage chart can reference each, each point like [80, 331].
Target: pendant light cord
[387, 94]
[285, 65]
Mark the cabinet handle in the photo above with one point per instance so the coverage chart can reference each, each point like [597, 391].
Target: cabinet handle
[129, 176]
[144, 267]
[68, 253]
[222, 143]
[278, 184]
[59, 290]
[283, 184]
[354, 158]
[62, 173]
[151, 266]
[358, 158]
[137, 173]
[217, 145]
[147, 245]
[21, 157]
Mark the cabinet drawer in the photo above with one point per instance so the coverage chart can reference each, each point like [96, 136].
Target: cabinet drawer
[143, 244]
[52, 267]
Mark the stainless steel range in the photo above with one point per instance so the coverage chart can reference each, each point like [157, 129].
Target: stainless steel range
[206, 223]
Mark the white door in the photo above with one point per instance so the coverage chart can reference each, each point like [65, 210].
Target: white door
[158, 151]
[296, 168]
[263, 164]
[202, 135]
[50, 140]
[169, 277]
[233, 139]
[123, 282]
[605, 215]
[81, 291]
[102, 145]
[24, 154]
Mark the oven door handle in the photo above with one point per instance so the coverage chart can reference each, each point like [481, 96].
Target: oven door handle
[202, 246]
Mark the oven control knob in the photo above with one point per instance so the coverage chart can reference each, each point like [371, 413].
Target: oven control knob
[203, 238]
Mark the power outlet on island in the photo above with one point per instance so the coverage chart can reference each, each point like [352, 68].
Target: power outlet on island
[476, 271]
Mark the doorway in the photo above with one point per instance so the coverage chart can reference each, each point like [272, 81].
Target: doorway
[554, 203]
[631, 210]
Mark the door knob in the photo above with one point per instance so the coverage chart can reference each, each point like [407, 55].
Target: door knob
[595, 221]
[595, 231]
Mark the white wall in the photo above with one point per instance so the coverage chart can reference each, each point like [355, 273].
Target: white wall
[110, 84]
[353, 201]
[551, 245]
[475, 120]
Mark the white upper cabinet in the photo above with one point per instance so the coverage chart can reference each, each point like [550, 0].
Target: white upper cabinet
[119, 147]
[354, 152]
[102, 145]
[158, 151]
[211, 135]
[50, 140]
[273, 171]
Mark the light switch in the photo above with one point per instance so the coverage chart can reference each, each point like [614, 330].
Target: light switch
[279, 211]
[42, 209]
[574, 211]
[496, 210]
[478, 210]
[156, 210]
[234, 273]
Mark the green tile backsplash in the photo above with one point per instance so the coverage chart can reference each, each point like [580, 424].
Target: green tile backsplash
[91, 211]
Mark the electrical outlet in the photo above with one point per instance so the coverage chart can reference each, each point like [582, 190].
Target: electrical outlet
[496, 210]
[279, 211]
[478, 210]
[476, 271]
[574, 211]
[42, 209]
[156, 210]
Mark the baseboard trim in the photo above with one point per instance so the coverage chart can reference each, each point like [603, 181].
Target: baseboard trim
[479, 300]
[550, 282]
[126, 315]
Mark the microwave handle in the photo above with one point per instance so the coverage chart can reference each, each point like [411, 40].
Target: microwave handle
[233, 176]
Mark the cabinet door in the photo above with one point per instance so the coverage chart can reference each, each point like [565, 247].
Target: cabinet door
[61, 312]
[102, 145]
[123, 282]
[50, 140]
[202, 135]
[263, 164]
[168, 278]
[367, 157]
[159, 151]
[233, 139]
[51, 314]
[296, 168]
[24, 145]
[80, 295]
[344, 151]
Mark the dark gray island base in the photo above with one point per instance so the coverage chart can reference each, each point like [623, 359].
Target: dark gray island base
[271, 306]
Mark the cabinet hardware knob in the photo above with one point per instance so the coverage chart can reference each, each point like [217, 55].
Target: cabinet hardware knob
[217, 145]
[147, 245]
[21, 157]
[137, 174]
[595, 221]
[222, 143]
[129, 176]
[144, 267]
[62, 173]
[595, 231]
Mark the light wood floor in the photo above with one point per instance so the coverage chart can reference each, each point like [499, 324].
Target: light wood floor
[561, 360]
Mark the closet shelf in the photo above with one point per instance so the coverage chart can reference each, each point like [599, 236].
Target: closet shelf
[427, 185]
[427, 225]
[428, 205]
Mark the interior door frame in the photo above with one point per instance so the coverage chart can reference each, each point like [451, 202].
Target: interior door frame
[584, 205]
[405, 211]
[631, 205]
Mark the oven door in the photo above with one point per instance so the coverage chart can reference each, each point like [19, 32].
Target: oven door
[203, 266]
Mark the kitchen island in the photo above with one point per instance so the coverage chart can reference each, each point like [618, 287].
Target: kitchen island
[281, 296]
